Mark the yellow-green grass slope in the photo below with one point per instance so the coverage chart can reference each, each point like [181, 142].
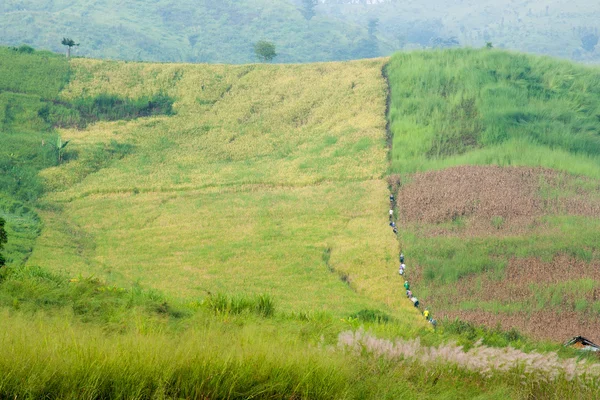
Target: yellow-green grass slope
[269, 179]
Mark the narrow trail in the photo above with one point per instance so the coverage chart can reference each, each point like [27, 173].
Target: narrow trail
[394, 184]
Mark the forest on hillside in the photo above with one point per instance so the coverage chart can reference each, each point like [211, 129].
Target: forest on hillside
[302, 30]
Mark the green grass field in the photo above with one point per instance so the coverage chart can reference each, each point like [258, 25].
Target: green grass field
[238, 246]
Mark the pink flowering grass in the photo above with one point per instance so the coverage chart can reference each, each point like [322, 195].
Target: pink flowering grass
[487, 361]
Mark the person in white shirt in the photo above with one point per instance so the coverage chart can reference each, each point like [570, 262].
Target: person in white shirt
[415, 301]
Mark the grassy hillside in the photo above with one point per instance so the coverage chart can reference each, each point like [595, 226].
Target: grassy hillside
[221, 231]
[30, 109]
[508, 244]
[256, 176]
[26, 82]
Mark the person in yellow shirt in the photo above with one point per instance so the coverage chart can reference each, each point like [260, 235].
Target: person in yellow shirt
[426, 314]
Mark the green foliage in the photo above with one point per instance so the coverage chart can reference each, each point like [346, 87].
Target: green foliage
[493, 337]
[22, 227]
[132, 341]
[481, 107]
[265, 51]
[104, 107]
[26, 49]
[60, 148]
[30, 83]
[446, 259]
[22, 156]
[68, 42]
[373, 316]
[457, 107]
[262, 304]
[497, 222]
[39, 73]
[33, 289]
[3, 240]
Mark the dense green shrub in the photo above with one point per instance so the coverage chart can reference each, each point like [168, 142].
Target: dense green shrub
[262, 304]
[376, 316]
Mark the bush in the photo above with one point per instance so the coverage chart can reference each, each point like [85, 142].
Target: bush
[108, 107]
[265, 305]
[262, 305]
[24, 49]
[375, 316]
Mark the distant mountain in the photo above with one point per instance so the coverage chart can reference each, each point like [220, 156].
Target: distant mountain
[225, 31]
[185, 30]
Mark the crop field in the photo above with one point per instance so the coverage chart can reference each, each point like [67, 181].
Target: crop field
[255, 177]
[499, 203]
[514, 245]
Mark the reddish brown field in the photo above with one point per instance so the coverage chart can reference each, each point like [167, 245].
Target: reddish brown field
[477, 194]
[490, 201]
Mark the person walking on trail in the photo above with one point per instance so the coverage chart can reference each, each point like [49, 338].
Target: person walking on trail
[401, 258]
[401, 269]
[395, 230]
[408, 293]
[406, 285]
[426, 314]
[391, 213]
[392, 224]
[391, 198]
[415, 301]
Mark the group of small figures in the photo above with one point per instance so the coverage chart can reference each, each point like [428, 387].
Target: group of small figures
[392, 223]
[402, 270]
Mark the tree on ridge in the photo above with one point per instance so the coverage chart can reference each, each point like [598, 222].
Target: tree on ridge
[265, 51]
[69, 43]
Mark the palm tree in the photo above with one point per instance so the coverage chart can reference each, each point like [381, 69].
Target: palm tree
[69, 43]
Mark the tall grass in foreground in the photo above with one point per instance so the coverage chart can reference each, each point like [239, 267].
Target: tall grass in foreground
[54, 357]
[79, 338]
[49, 358]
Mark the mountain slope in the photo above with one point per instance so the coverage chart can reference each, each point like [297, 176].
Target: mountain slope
[225, 31]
